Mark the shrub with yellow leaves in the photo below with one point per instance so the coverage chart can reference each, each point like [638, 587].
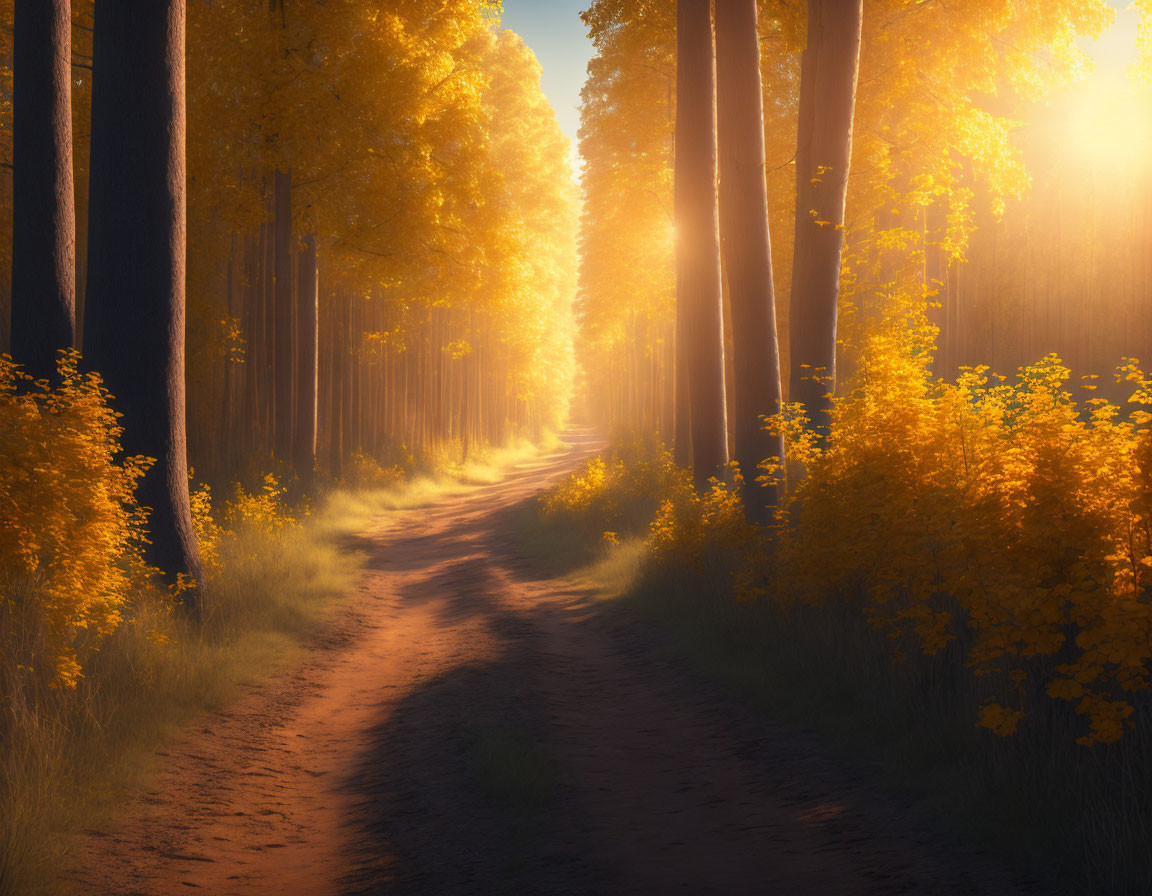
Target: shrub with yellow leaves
[73, 532]
[365, 471]
[1008, 519]
[688, 523]
[619, 490]
[263, 510]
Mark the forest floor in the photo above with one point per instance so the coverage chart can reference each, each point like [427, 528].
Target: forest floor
[469, 725]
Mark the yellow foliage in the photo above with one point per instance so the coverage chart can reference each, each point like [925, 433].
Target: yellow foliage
[1005, 516]
[365, 471]
[70, 545]
[689, 522]
[632, 472]
[207, 529]
[264, 509]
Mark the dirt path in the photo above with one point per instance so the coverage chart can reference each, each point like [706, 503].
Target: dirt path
[466, 729]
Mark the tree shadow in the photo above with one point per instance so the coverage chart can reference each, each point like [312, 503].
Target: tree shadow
[459, 793]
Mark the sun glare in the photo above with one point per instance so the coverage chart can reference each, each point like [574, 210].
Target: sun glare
[1106, 122]
[1105, 117]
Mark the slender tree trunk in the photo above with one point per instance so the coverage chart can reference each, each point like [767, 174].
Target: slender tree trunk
[829, 69]
[253, 342]
[226, 449]
[134, 318]
[698, 239]
[747, 247]
[339, 383]
[43, 205]
[282, 271]
[307, 329]
[268, 388]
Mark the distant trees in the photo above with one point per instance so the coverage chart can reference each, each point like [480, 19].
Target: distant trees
[134, 319]
[627, 272]
[747, 248]
[43, 208]
[828, 74]
[436, 185]
[700, 333]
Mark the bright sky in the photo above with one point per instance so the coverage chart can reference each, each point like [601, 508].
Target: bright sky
[1116, 52]
[552, 28]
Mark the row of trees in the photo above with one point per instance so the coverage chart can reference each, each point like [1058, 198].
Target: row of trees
[727, 111]
[918, 101]
[372, 209]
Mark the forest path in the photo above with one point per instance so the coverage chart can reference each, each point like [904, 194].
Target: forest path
[466, 727]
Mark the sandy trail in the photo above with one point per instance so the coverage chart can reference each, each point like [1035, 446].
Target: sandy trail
[370, 768]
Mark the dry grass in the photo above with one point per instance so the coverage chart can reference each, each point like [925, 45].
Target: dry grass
[69, 758]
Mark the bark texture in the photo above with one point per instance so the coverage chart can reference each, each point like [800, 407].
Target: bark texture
[747, 247]
[698, 238]
[43, 205]
[134, 319]
[828, 73]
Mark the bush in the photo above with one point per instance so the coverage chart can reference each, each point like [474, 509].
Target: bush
[97, 662]
[1008, 518]
[618, 491]
[70, 546]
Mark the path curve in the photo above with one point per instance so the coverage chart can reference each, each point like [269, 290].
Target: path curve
[466, 728]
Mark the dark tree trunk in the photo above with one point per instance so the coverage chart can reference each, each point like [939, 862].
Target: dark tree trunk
[253, 343]
[282, 271]
[307, 322]
[339, 382]
[698, 239]
[134, 319]
[823, 153]
[747, 247]
[43, 205]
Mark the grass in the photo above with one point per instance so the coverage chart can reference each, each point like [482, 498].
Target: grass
[70, 759]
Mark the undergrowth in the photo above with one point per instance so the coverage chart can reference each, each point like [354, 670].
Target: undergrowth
[957, 584]
[100, 666]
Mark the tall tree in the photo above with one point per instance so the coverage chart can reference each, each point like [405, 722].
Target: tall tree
[134, 319]
[698, 237]
[747, 246]
[307, 355]
[43, 206]
[828, 74]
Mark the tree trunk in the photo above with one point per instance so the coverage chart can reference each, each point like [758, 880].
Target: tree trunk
[226, 448]
[340, 361]
[282, 271]
[43, 205]
[698, 238]
[134, 319]
[307, 330]
[747, 247]
[823, 154]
